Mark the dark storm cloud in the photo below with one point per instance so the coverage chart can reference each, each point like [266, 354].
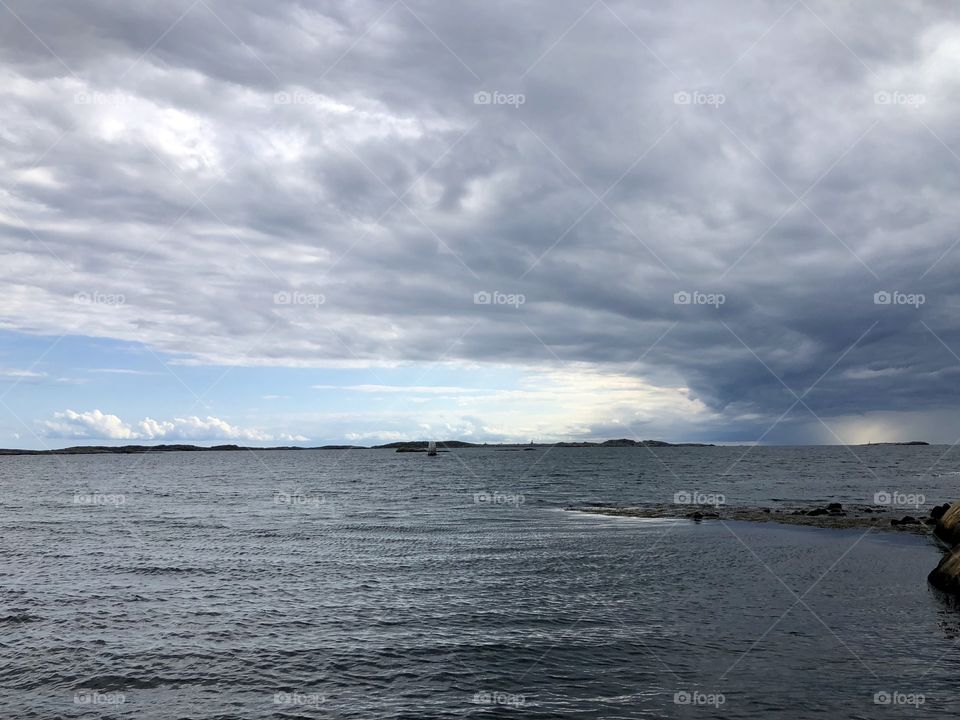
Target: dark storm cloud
[796, 158]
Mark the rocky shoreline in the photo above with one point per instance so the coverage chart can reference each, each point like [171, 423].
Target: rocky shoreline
[834, 515]
[946, 576]
[941, 523]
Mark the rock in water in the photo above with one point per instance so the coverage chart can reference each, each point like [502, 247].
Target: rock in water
[937, 512]
[946, 575]
[948, 525]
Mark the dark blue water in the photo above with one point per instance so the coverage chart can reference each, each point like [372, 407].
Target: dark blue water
[370, 584]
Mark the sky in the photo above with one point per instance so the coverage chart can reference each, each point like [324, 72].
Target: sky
[359, 222]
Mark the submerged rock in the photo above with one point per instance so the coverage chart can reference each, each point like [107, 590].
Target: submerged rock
[855, 516]
[831, 509]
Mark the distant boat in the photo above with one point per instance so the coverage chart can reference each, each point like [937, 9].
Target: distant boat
[431, 448]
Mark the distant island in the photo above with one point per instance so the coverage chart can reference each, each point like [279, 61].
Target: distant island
[401, 446]
[912, 442]
[412, 446]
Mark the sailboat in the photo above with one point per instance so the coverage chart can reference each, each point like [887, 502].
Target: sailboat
[431, 448]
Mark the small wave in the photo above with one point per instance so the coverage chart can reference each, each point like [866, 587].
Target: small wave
[157, 570]
[18, 618]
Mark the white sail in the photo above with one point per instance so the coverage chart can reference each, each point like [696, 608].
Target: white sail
[432, 448]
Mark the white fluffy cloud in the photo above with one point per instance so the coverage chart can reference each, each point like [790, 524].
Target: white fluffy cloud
[95, 424]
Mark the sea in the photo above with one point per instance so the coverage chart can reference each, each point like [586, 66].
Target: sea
[375, 584]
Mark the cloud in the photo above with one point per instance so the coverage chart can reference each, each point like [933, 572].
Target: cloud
[545, 405]
[122, 371]
[15, 375]
[403, 389]
[95, 424]
[315, 186]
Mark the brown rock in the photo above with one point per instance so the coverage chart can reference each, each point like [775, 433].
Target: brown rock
[946, 576]
[948, 526]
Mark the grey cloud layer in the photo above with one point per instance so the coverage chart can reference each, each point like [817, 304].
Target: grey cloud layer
[185, 186]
